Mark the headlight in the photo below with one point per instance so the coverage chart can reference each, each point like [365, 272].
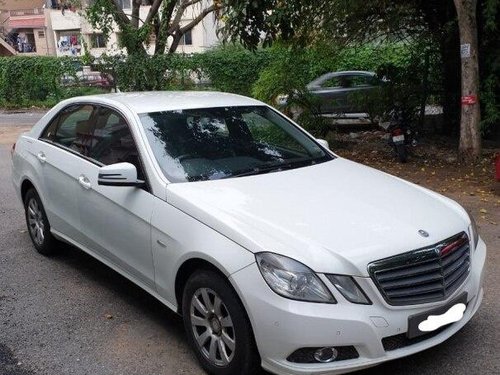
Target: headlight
[349, 289]
[292, 279]
[473, 230]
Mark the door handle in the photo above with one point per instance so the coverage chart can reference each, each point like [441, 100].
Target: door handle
[41, 157]
[161, 243]
[84, 182]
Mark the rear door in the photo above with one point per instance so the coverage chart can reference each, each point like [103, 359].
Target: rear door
[360, 84]
[331, 91]
[60, 152]
[116, 220]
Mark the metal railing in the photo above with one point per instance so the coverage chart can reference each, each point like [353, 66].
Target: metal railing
[26, 12]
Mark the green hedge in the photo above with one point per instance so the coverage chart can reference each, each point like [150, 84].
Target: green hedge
[27, 81]
[264, 74]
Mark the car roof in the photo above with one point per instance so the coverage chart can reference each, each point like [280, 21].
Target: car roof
[351, 72]
[156, 101]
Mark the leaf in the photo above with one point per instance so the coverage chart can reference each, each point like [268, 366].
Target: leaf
[483, 211]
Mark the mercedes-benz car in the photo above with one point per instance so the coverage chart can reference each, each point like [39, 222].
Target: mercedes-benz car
[276, 251]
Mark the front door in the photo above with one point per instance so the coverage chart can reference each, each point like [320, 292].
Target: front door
[116, 220]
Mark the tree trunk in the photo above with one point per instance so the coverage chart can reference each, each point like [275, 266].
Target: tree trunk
[470, 135]
[450, 82]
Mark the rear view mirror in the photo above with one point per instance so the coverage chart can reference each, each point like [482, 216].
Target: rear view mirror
[119, 174]
[323, 142]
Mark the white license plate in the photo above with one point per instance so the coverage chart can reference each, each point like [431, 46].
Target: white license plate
[433, 322]
[428, 321]
[398, 138]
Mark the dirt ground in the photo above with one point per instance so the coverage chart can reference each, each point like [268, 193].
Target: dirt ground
[9, 134]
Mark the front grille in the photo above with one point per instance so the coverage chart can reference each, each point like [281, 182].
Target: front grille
[424, 275]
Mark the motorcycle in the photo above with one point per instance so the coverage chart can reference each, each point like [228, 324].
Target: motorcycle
[400, 133]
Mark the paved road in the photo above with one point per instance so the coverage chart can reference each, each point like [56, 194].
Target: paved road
[16, 118]
[72, 315]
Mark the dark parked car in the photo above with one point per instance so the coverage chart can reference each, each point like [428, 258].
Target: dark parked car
[334, 90]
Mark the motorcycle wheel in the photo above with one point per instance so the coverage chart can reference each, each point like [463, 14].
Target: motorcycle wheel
[402, 153]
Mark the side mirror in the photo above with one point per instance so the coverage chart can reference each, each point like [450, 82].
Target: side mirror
[119, 174]
[323, 142]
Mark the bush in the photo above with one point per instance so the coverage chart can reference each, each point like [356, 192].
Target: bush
[143, 73]
[232, 68]
[27, 79]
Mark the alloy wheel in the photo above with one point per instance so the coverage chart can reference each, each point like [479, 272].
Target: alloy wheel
[212, 327]
[35, 222]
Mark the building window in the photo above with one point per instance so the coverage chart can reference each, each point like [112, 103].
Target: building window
[97, 41]
[124, 4]
[41, 34]
[187, 39]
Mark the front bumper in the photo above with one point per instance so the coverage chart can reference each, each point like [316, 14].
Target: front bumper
[282, 326]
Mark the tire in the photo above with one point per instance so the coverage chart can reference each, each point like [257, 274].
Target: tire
[38, 224]
[402, 153]
[216, 328]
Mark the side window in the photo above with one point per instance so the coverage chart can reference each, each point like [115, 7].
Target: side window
[75, 128]
[362, 81]
[113, 141]
[337, 82]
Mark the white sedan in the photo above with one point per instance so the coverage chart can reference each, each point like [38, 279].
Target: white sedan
[277, 252]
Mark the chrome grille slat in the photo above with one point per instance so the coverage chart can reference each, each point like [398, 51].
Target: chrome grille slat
[409, 281]
[457, 283]
[417, 290]
[418, 299]
[424, 275]
[450, 258]
[455, 275]
[455, 265]
[411, 271]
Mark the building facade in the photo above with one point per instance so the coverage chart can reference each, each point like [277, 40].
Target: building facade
[44, 27]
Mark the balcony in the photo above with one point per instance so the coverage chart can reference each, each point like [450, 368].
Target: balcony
[25, 19]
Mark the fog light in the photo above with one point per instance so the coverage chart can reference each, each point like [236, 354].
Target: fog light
[325, 355]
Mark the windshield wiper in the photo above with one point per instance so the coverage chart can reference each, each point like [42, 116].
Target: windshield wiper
[272, 168]
[260, 170]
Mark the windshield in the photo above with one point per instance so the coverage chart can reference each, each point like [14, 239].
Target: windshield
[222, 142]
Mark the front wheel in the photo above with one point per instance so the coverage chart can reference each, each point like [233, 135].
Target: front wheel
[217, 326]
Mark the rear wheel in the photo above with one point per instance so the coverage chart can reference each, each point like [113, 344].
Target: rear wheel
[402, 153]
[217, 326]
[38, 224]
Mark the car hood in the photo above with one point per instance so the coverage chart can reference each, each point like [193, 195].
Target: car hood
[334, 217]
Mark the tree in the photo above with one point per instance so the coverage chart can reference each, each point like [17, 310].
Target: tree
[344, 22]
[163, 21]
[470, 135]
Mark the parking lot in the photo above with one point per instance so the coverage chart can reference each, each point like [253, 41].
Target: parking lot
[72, 315]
